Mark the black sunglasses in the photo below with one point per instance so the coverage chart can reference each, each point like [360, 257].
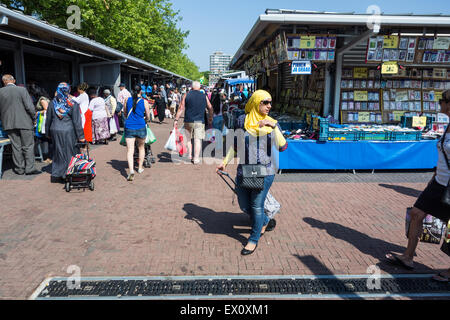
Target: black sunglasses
[266, 102]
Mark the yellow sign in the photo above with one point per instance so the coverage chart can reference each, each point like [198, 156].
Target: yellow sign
[390, 42]
[389, 67]
[419, 122]
[363, 116]
[361, 96]
[437, 96]
[360, 73]
[398, 115]
[307, 42]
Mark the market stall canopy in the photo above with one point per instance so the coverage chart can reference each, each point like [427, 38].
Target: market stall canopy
[233, 82]
[16, 24]
[346, 24]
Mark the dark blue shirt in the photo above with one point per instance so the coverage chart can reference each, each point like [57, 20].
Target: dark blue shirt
[195, 107]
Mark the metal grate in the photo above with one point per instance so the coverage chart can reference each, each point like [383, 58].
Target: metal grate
[282, 287]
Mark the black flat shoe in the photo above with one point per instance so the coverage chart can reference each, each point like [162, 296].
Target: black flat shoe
[246, 252]
[271, 225]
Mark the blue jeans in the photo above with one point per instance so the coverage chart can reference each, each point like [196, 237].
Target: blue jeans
[252, 202]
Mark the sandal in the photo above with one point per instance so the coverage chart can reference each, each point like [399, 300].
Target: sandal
[394, 259]
[441, 278]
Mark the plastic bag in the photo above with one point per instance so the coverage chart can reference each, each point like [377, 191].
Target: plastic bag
[171, 144]
[271, 206]
[433, 228]
[150, 139]
[112, 126]
[180, 145]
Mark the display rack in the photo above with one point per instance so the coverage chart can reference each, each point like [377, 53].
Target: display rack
[360, 96]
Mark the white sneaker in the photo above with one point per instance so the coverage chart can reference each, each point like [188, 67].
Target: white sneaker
[140, 171]
[131, 176]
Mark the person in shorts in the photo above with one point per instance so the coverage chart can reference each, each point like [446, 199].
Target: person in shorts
[137, 111]
[194, 104]
[429, 202]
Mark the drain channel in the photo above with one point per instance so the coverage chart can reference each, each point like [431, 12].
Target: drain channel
[242, 287]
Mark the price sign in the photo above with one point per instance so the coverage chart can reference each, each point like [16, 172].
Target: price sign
[389, 67]
[301, 67]
[364, 117]
[361, 96]
[360, 73]
[307, 42]
[437, 96]
[419, 122]
[398, 115]
[390, 42]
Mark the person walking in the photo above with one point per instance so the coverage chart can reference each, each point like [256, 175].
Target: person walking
[261, 133]
[64, 128]
[194, 105]
[429, 202]
[100, 125]
[122, 98]
[137, 111]
[18, 115]
[160, 104]
[111, 106]
[82, 100]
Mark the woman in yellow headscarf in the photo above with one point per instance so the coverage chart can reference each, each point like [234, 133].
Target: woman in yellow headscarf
[261, 132]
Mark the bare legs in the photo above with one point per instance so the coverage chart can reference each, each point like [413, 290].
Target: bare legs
[415, 230]
[130, 155]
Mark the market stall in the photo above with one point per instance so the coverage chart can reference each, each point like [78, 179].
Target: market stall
[357, 155]
[348, 96]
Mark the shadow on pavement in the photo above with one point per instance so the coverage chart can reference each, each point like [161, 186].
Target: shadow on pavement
[377, 248]
[213, 222]
[120, 166]
[316, 266]
[165, 157]
[403, 190]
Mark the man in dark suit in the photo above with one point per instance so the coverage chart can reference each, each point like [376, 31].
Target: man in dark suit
[18, 115]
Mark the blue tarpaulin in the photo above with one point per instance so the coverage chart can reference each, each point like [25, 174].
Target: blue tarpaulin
[233, 82]
[357, 155]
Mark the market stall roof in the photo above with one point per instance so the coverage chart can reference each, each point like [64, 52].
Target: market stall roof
[15, 23]
[308, 21]
[233, 82]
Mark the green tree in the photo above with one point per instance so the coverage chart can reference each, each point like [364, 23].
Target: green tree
[146, 29]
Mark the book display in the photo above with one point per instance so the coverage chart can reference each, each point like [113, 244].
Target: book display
[305, 95]
[360, 95]
[321, 48]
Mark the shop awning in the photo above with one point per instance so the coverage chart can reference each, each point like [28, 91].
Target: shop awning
[233, 82]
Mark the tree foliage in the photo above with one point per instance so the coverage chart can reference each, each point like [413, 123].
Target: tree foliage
[146, 29]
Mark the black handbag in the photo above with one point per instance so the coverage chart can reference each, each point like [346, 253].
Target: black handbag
[446, 196]
[253, 174]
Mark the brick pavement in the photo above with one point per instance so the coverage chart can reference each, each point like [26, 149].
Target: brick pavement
[179, 220]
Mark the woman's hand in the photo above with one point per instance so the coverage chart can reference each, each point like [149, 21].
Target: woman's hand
[82, 140]
[268, 123]
[220, 168]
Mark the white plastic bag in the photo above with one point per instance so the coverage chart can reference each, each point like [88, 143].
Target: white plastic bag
[112, 126]
[170, 144]
[271, 206]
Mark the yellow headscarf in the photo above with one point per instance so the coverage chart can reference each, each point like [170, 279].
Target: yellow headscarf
[254, 116]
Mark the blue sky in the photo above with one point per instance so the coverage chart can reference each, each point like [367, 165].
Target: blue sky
[223, 25]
